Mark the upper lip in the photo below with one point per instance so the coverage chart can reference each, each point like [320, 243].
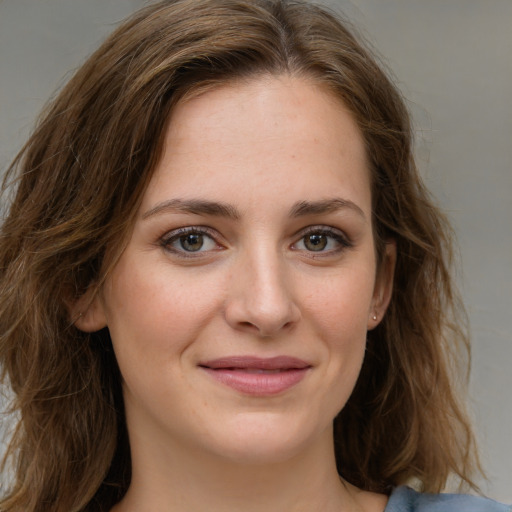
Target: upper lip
[263, 363]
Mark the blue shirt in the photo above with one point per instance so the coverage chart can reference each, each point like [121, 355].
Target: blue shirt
[404, 499]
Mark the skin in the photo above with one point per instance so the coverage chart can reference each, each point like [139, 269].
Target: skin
[257, 287]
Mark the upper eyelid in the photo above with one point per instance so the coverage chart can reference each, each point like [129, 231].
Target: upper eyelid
[174, 234]
[204, 230]
[319, 228]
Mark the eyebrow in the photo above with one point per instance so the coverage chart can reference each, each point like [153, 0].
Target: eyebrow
[194, 206]
[303, 208]
[220, 209]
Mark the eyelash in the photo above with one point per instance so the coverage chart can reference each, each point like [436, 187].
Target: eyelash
[338, 236]
[172, 237]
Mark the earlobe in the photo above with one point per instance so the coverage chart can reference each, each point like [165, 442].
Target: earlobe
[383, 285]
[87, 312]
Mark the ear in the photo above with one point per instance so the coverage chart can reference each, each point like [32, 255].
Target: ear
[383, 285]
[87, 312]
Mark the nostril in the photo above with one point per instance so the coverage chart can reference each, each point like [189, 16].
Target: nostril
[248, 326]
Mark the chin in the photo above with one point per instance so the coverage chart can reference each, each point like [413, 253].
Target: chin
[265, 440]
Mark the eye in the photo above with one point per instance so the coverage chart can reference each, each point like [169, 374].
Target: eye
[316, 241]
[188, 241]
[322, 240]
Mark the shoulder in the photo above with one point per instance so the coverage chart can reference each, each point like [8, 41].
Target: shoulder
[404, 499]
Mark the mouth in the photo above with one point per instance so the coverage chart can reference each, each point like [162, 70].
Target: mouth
[257, 376]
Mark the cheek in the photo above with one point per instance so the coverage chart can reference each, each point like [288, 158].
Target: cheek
[340, 307]
[153, 312]
[338, 314]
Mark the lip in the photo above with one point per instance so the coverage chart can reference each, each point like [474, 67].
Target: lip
[257, 376]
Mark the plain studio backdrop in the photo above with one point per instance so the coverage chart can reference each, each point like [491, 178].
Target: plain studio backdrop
[453, 61]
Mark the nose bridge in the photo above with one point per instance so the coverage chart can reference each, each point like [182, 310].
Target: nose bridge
[267, 278]
[262, 297]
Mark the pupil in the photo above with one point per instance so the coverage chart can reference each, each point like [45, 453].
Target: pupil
[192, 242]
[316, 242]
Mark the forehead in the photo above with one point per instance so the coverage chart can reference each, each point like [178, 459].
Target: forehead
[262, 133]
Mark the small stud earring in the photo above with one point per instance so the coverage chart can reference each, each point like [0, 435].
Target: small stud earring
[374, 318]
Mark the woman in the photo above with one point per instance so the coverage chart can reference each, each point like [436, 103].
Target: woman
[222, 282]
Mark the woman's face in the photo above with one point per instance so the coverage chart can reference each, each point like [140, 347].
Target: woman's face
[239, 309]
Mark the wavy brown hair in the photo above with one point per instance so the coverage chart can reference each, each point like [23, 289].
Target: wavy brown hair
[76, 186]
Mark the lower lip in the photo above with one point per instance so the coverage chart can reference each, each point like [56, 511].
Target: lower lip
[258, 384]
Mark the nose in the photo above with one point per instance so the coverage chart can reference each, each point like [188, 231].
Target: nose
[261, 298]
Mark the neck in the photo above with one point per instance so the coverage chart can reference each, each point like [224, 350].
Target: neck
[179, 479]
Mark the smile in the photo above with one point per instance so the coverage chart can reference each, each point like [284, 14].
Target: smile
[257, 376]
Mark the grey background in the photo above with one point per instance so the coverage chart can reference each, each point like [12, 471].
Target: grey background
[453, 61]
